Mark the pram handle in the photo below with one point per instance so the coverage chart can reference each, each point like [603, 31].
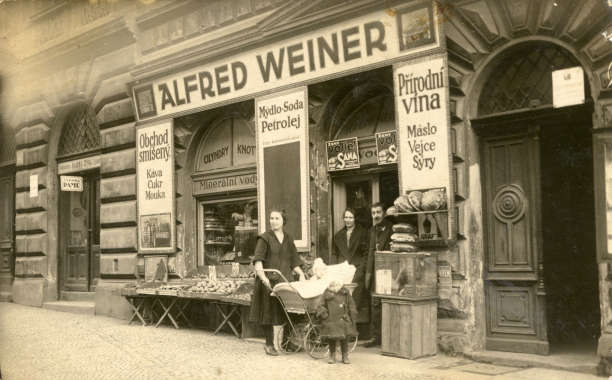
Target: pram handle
[277, 272]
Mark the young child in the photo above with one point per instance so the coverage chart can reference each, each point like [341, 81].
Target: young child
[338, 314]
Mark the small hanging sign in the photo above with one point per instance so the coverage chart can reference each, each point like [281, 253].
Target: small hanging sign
[33, 185]
[568, 87]
[342, 154]
[71, 183]
[386, 148]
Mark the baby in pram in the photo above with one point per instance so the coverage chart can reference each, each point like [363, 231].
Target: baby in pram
[338, 314]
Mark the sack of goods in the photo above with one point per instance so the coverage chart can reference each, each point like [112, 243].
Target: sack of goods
[404, 227]
[403, 237]
[402, 247]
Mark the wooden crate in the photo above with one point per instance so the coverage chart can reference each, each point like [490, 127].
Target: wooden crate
[409, 328]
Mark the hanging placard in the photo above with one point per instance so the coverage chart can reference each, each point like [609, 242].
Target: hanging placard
[155, 184]
[568, 87]
[71, 183]
[421, 102]
[386, 147]
[33, 185]
[282, 161]
[342, 154]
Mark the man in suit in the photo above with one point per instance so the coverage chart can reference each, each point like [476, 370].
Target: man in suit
[380, 238]
[351, 244]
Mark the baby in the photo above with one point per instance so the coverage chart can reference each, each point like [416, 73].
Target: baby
[338, 314]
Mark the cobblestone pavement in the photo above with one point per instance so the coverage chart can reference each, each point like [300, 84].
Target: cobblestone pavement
[37, 344]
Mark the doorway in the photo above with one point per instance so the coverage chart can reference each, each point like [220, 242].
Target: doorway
[359, 192]
[541, 279]
[80, 235]
[568, 233]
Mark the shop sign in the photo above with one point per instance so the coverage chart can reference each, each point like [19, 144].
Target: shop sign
[421, 101]
[342, 154]
[568, 87]
[81, 164]
[372, 40]
[71, 183]
[155, 187]
[283, 161]
[386, 148]
[223, 184]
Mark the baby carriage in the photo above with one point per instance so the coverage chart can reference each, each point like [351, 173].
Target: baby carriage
[301, 331]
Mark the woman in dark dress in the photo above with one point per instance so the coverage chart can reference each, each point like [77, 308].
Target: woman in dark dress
[351, 244]
[274, 250]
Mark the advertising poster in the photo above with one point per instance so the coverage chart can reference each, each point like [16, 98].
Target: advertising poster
[155, 187]
[342, 154]
[283, 163]
[386, 148]
[421, 106]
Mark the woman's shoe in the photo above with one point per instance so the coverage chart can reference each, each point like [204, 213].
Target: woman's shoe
[270, 350]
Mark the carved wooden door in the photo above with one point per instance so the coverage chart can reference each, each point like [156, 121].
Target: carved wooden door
[515, 296]
[80, 222]
[7, 220]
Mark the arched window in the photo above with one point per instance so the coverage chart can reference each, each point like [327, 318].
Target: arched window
[523, 79]
[363, 111]
[230, 144]
[80, 132]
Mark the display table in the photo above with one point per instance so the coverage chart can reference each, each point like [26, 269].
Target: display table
[153, 309]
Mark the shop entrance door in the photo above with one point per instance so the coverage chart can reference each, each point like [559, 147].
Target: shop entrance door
[7, 218]
[514, 289]
[80, 235]
[360, 192]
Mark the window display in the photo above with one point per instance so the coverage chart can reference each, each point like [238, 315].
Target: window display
[229, 231]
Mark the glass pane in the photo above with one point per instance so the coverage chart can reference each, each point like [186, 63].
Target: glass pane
[244, 143]
[359, 197]
[230, 231]
[79, 216]
[215, 153]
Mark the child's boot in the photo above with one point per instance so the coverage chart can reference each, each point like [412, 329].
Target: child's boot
[344, 349]
[332, 352]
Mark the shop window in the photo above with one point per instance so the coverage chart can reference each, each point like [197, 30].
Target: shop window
[231, 143]
[229, 231]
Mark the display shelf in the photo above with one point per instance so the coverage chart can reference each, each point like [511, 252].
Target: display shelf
[212, 242]
[417, 212]
[222, 229]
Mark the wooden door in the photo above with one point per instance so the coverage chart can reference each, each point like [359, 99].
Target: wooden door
[80, 234]
[7, 218]
[514, 285]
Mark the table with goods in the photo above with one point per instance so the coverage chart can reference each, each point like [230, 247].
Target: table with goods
[227, 287]
[406, 276]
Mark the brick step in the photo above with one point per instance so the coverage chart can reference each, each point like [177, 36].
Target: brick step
[78, 296]
[76, 307]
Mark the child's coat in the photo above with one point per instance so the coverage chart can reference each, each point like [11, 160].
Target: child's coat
[338, 314]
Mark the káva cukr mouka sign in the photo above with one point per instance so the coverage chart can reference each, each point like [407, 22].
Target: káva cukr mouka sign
[363, 42]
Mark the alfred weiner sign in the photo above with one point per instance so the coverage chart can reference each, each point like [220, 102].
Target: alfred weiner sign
[373, 39]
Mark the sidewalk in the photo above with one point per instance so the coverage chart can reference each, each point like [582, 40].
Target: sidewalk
[37, 344]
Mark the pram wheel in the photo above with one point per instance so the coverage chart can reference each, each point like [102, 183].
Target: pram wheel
[314, 345]
[291, 339]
